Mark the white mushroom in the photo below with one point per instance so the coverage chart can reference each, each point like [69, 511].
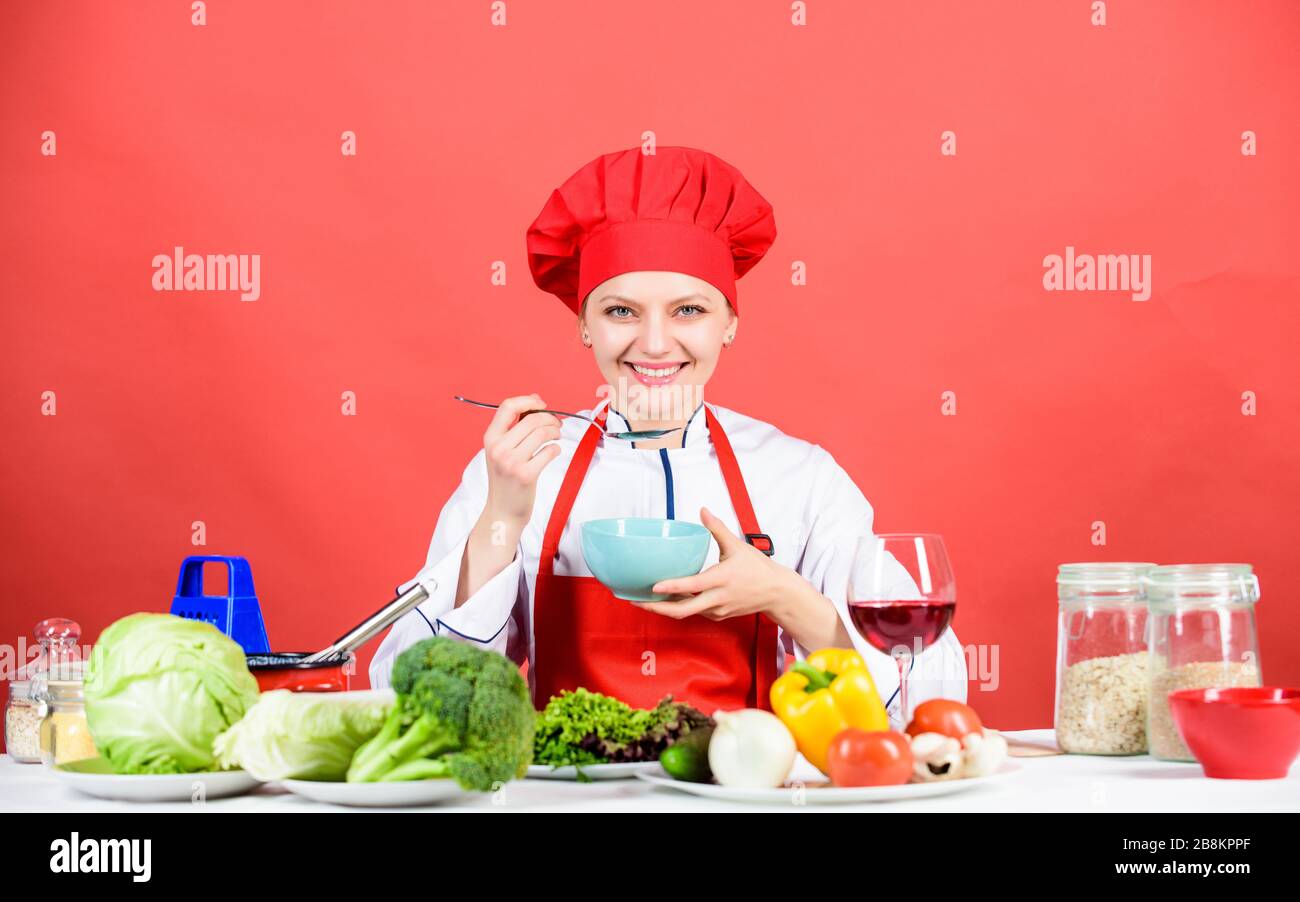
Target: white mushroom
[935, 757]
[982, 753]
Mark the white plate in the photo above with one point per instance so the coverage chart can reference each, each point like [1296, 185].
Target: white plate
[623, 771]
[821, 792]
[95, 777]
[397, 794]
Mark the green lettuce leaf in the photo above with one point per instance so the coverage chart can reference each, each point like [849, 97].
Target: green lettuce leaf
[303, 735]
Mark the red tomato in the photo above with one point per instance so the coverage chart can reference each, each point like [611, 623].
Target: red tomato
[859, 758]
[941, 715]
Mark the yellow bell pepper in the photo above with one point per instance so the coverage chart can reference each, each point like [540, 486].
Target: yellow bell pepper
[830, 691]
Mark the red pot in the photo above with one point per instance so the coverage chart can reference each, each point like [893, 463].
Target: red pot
[1243, 733]
[286, 670]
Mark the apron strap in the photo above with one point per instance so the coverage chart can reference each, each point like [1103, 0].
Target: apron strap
[573, 478]
[736, 487]
[766, 636]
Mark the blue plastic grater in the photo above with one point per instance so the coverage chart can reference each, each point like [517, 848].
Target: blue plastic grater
[236, 614]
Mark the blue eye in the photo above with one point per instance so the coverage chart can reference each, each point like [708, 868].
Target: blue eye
[695, 307]
[614, 310]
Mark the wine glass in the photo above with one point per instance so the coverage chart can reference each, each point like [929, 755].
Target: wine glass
[901, 597]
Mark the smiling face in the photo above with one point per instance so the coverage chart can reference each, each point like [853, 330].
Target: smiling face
[659, 334]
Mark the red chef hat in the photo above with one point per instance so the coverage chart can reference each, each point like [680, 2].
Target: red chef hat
[679, 209]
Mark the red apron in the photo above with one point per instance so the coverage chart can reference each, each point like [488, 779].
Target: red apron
[584, 636]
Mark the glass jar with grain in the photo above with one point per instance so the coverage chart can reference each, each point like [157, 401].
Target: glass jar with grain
[23, 723]
[1101, 658]
[1202, 635]
[65, 734]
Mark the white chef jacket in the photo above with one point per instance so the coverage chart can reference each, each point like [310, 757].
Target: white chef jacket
[802, 498]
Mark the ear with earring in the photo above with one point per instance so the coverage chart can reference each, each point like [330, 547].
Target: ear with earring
[730, 339]
[586, 340]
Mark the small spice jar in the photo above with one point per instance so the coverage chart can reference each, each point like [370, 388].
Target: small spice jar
[22, 723]
[1203, 635]
[65, 735]
[1101, 658]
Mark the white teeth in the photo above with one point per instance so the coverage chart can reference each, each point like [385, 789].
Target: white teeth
[656, 373]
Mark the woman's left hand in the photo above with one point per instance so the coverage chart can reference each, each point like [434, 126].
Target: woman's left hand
[743, 581]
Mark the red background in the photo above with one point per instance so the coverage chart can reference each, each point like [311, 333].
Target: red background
[924, 276]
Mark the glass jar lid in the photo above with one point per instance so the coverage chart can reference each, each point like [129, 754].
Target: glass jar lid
[62, 692]
[1202, 584]
[1115, 579]
[56, 641]
[61, 680]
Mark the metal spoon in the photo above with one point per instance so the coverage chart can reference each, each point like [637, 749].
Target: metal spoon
[635, 435]
[373, 625]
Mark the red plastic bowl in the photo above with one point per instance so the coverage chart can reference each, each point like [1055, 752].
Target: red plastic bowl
[1250, 733]
[286, 670]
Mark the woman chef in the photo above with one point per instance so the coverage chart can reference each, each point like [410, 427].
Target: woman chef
[646, 250]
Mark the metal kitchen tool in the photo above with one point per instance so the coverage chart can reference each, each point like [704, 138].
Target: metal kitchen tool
[372, 626]
[635, 435]
[237, 613]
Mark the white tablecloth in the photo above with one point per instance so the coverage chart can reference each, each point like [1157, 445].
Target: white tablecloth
[1056, 783]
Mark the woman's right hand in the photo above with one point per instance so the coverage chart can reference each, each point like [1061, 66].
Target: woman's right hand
[513, 461]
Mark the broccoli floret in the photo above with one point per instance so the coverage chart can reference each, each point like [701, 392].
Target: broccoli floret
[461, 712]
[443, 655]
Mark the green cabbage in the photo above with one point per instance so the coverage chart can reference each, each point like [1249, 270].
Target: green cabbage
[303, 735]
[158, 691]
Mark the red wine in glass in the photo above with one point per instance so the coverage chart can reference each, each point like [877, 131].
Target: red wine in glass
[887, 624]
[901, 597]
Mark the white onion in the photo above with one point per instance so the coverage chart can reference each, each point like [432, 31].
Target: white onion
[750, 748]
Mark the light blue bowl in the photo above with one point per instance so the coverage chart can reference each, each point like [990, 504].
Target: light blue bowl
[630, 554]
